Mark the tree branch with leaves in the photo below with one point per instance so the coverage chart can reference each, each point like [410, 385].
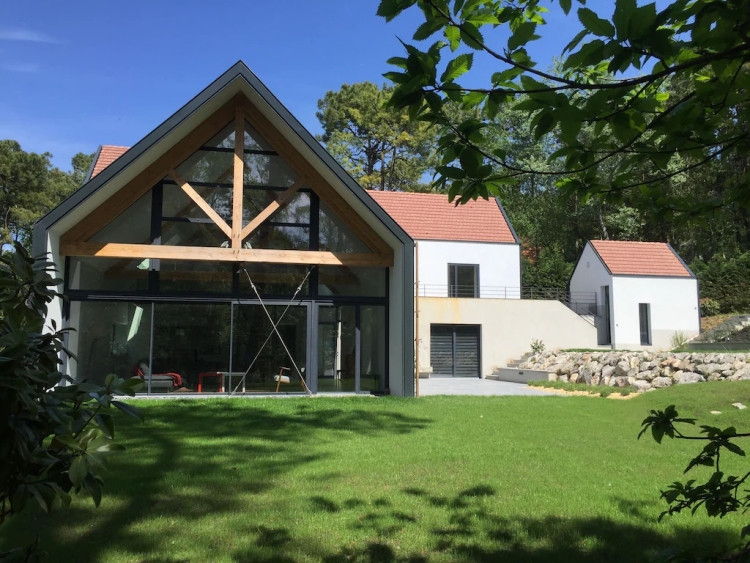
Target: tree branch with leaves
[656, 88]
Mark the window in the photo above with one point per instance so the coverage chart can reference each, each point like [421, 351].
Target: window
[644, 314]
[463, 280]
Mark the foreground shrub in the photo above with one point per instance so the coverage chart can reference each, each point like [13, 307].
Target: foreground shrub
[54, 438]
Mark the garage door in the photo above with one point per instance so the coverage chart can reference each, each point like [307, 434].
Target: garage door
[454, 350]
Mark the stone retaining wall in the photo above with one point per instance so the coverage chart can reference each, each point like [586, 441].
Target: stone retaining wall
[643, 370]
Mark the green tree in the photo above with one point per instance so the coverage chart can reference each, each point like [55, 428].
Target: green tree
[30, 187]
[614, 77]
[380, 147]
[54, 438]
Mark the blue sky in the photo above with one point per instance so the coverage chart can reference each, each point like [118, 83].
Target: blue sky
[80, 73]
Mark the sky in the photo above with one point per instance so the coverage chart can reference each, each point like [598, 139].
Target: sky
[81, 73]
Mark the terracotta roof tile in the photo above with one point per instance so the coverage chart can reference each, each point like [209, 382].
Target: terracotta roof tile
[640, 258]
[107, 155]
[433, 217]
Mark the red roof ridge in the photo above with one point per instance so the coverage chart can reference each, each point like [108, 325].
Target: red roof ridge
[640, 258]
[106, 155]
[437, 218]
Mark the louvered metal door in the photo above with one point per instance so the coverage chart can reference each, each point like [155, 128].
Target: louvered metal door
[454, 350]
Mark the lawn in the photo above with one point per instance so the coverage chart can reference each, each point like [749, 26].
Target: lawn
[528, 479]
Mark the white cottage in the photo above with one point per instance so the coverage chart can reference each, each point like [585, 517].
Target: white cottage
[473, 315]
[645, 293]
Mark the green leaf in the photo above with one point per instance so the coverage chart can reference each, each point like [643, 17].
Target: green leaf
[576, 40]
[389, 9]
[471, 159]
[595, 24]
[128, 409]
[458, 66]
[427, 29]
[471, 35]
[397, 61]
[453, 35]
[522, 35]
[545, 122]
[78, 470]
[451, 172]
[565, 5]
[624, 11]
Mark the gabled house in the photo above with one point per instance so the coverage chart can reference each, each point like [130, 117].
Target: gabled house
[227, 249]
[645, 293]
[473, 316]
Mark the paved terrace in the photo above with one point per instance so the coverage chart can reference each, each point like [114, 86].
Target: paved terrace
[475, 386]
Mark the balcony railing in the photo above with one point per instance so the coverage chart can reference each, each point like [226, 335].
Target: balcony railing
[582, 303]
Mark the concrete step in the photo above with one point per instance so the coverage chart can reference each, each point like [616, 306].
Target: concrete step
[519, 375]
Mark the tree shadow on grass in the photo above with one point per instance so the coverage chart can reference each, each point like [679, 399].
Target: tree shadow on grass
[191, 460]
[467, 528]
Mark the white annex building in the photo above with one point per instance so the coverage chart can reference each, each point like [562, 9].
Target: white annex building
[473, 316]
[645, 293]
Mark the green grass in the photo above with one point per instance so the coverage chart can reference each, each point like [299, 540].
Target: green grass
[438, 479]
[601, 390]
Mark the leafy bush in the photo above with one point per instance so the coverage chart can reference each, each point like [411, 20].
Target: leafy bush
[54, 438]
[678, 340]
[727, 281]
[710, 307]
[537, 346]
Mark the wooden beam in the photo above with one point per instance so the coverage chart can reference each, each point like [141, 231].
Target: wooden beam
[272, 208]
[304, 169]
[239, 176]
[202, 203]
[163, 252]
[128, 194]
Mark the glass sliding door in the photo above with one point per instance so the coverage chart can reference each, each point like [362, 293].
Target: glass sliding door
[261, 355]
[351, 345]
[190, 341]
[372, 342]
[110, 337]
[337, 348]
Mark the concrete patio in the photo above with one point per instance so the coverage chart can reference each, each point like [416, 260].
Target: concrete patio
[475, 386]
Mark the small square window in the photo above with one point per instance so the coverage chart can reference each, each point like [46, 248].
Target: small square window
[463, 280]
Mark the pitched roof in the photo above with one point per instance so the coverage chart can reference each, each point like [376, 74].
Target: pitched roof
[433, 217]
[107, 155]
[640, 258]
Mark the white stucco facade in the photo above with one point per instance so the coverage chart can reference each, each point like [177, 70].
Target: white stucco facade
[673, 303]
[499, 267]
[507, 327]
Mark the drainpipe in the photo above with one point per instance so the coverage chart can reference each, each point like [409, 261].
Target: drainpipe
[416, 317]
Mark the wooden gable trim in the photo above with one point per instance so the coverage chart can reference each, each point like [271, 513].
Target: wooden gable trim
[317, 183]
[200, 202]
[74, 242]
[219, 254]
[136, 188]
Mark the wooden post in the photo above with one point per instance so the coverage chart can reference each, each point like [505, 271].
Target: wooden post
[238, 180]
[416, 315]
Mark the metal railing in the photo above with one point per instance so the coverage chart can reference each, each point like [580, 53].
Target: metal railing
[581, 303]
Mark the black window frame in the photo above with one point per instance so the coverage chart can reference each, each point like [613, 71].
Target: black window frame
[644, 315]
[454, 289]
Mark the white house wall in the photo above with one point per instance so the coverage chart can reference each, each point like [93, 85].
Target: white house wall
[590, 276]
[499, 267]
[508, 326]
[674, 308]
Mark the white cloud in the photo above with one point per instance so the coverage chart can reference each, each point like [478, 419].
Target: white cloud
[26, 68]
[25, 35]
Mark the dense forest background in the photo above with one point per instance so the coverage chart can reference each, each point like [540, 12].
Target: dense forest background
[383, 150]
